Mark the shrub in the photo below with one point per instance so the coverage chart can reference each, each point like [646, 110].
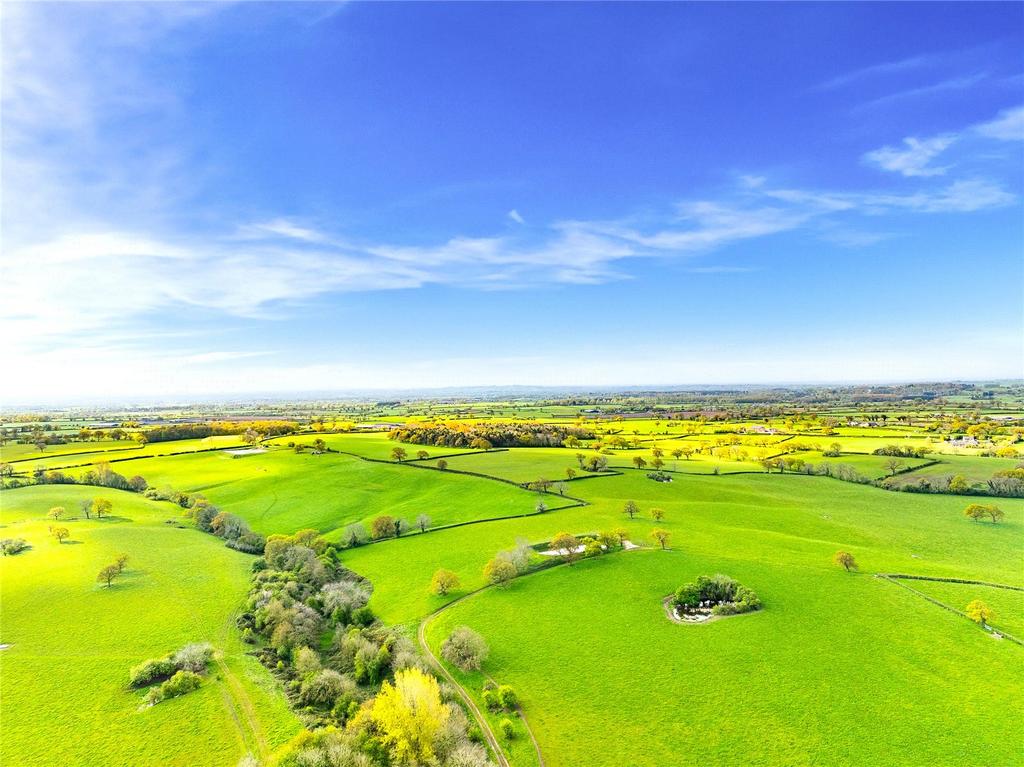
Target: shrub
[322, 689]
[193, 657]
[507, 697]
[149, 671]
[508, 730]
[181, 683]
[465, 649]
[10, 546]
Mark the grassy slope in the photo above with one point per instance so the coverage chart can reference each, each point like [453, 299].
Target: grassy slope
[64, 699]
[281, 491]
[1007, 604]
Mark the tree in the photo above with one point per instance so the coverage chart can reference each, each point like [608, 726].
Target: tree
[423, 522]
[465, 648]
[639, 462]
[631, 509]
[56, 512]
[657, 514]
[661, 536]
[687, 451]
[101, 506]
[570, 472]
[959, 485]
[846, 560]
[677, 453]
[410, 716]
[567, 546]
[499, 571]
[975, 511]
[443, 582]
[400, 526]
[107, 575]
[480, 444]
[398, 454]
[893, 466]
[979, 612]
[60, 533]
[442, 464]
[86, 506]
[422, 455]
[622, 534]
[382, 526]
[121, 562]
[540, 507]
[657, 452]
[250, 437]
[995, 513]
[657, 463]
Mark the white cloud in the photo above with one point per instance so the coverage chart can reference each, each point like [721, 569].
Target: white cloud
[885, 68]
[1007, 126]
[914, 157]
[514, 215]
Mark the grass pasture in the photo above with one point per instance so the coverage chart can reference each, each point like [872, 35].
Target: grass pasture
[281, 491]
[596, 643]
[64, 699]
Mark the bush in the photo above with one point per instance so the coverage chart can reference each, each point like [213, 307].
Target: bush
[248, 542]
[727, 597]
[465, 649]
[10, 546]
[193, 657]
[153, 670]
[508, 730]
[322, 689]
[507, 697]
[181, 683]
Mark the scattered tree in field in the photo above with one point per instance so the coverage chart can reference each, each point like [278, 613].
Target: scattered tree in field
[86, 507]
[422, 455]
[979, 612]
[677, 453]
[443, 582]
[121, 562]
[355, 534]
[580, 458]
[508, 730]
[657, 463]
[442, 464]
[561, 487]
[846, 560]
[657, 514]
[570, 473]
[541, 485]
[423, 522]
[622, 534]
[661, 536]
[608, 540]
[657, 452]
[639, 462]
[400, 526]
[688, 451]
[894, 465]
[540, 507]
[567, 546]
[60, 533]
[251, 436]
[107, 574]
[465, 649]
[499, 572]
[978, 511]
[631, 509]
[56, 512]
[410, 716]
[398, 454]
[382, 526]
[101, 506]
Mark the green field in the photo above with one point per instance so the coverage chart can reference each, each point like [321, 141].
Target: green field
[830, 655]
[71, 640]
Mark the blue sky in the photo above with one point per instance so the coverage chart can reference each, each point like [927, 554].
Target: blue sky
[205, 198]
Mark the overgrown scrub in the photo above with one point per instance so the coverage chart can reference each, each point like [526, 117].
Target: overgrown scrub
[721, 594]
[233, 529]
[360, 688]
[193, 658]
[11, 546]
